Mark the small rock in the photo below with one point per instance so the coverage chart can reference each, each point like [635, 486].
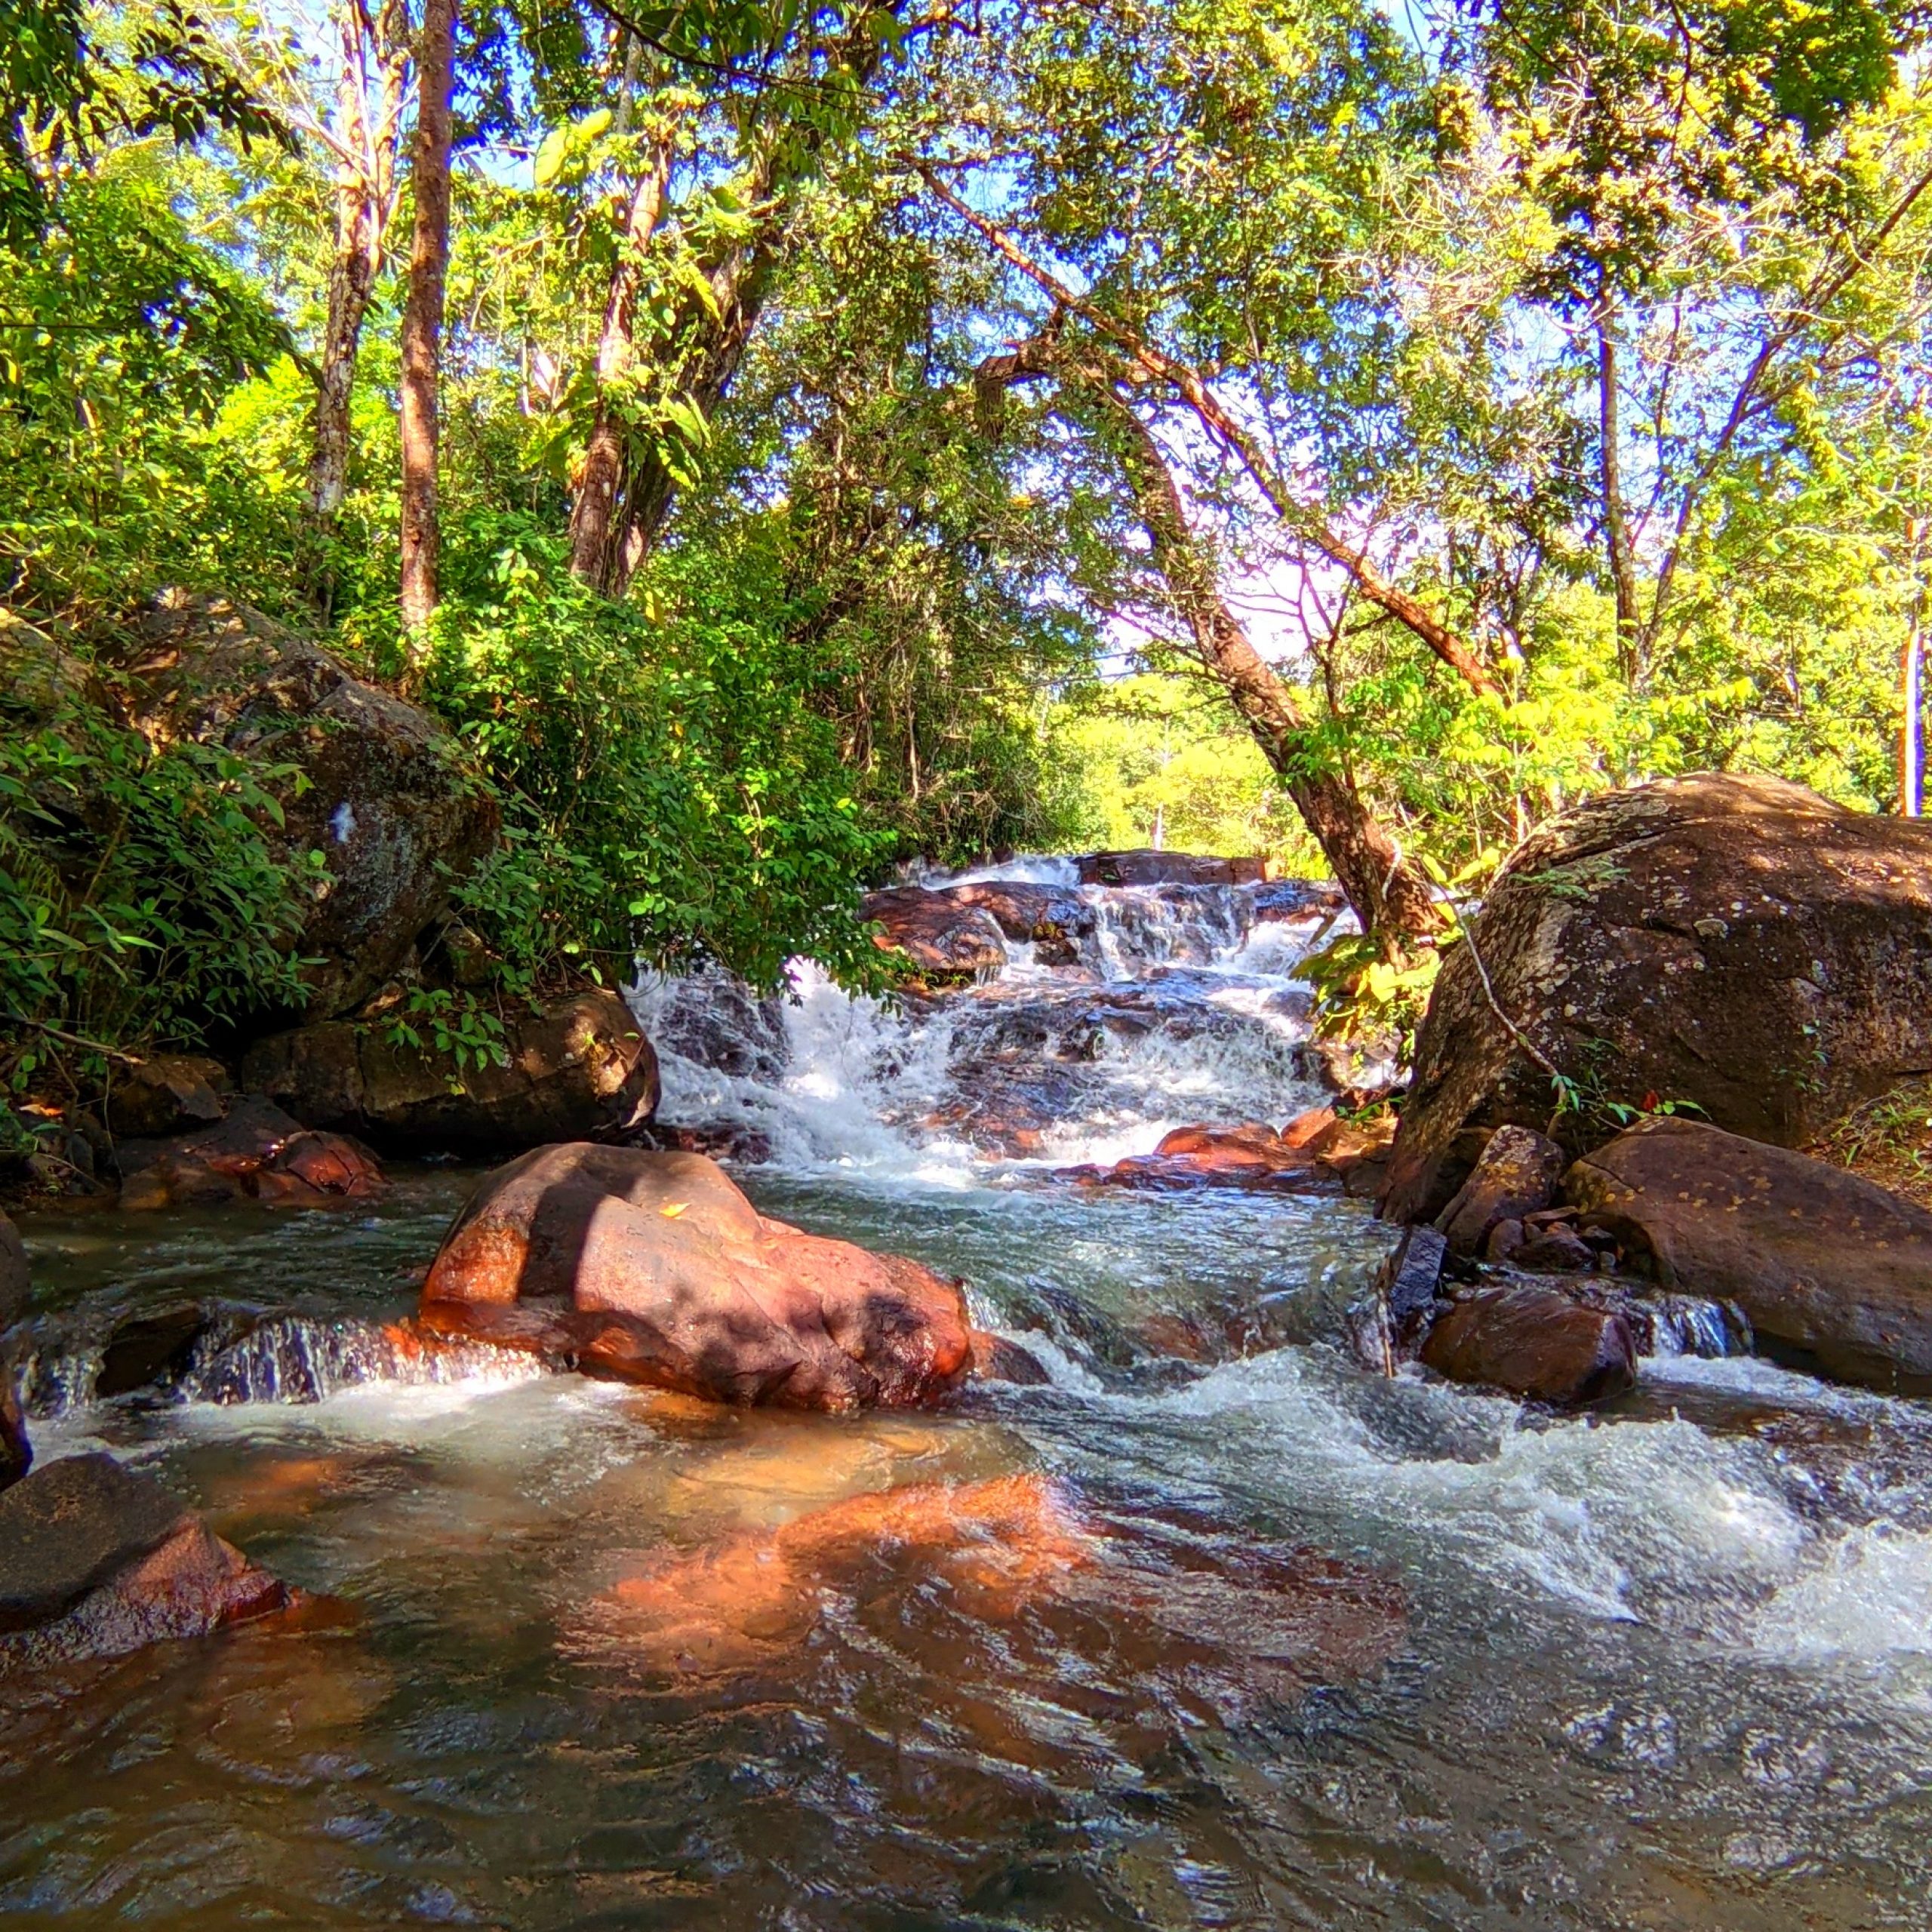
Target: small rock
[997, 1359]
[16, 1278]
[149, 1351]
[1518, 1173]
[1504, 1238]
[1535, 1343]
[167, 1094]
[16, 1453]
[97, 1560]
[1557, 1251]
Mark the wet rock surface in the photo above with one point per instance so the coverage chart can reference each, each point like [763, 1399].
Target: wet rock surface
[1820, 1260]
[97, 1560]
[654, 1267]
[1535, 1343]
[1143, 866]
[255, 1152]
[1516, 1175]
[579, 1067]
[945, 938]
[1255, 1156]
[1737, 942]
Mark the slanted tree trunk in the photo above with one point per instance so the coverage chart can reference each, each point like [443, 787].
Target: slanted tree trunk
[1391, 897]
[422, 320]
[1151, 363]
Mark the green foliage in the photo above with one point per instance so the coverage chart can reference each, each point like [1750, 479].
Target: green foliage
[140, 897]
[667, 792]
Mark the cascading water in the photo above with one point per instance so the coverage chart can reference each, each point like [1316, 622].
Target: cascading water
[1324, 1649]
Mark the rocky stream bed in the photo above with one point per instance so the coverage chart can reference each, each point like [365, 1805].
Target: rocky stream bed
[1160, 1607]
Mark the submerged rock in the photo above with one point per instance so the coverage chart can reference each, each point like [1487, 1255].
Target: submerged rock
[1250, 1156]
[1735, 941]
[654, 1267]
[97, 1560]
[581, 1067]
[388, 804]
[1535, 1343]
[257, 1152]
[1161, 1621]
[1820, 1260]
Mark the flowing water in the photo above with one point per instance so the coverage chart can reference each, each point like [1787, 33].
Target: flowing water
[1212, 1630]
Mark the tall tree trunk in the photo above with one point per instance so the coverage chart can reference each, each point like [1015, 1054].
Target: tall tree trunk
[1616, 520]
[375, 59]
[422, 320]
[1911, 689]
[594, 551]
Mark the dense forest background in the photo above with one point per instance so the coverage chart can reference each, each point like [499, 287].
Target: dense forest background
[779, 440]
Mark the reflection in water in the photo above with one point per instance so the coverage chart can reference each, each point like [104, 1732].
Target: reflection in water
[1247, 1641]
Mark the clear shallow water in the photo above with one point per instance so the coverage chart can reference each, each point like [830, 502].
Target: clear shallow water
[1248, 1640]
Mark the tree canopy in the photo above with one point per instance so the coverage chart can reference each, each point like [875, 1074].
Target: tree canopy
[884, 430]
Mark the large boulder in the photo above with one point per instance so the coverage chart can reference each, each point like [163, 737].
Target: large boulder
[1820, 1260]
[1739, 942]
[654, 1267]
[945, 938]
[1051, 919]
[257, 1152]
[97, 1560]
[389, 803]
[1536, 1343]
[581, 1066]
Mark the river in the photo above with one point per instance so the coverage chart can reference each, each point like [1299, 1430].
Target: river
[1314, 1649]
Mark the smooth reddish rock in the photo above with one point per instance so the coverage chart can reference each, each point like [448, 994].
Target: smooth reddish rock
[1820, 1260]
[167, 1093]
[258, 1152]
[1535, 1343]
[97, 1560]
[654, 1267]
[1518, 1175]
[1049, 918]
[944, 937]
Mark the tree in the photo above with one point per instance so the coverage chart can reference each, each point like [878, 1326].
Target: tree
[422, 320]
